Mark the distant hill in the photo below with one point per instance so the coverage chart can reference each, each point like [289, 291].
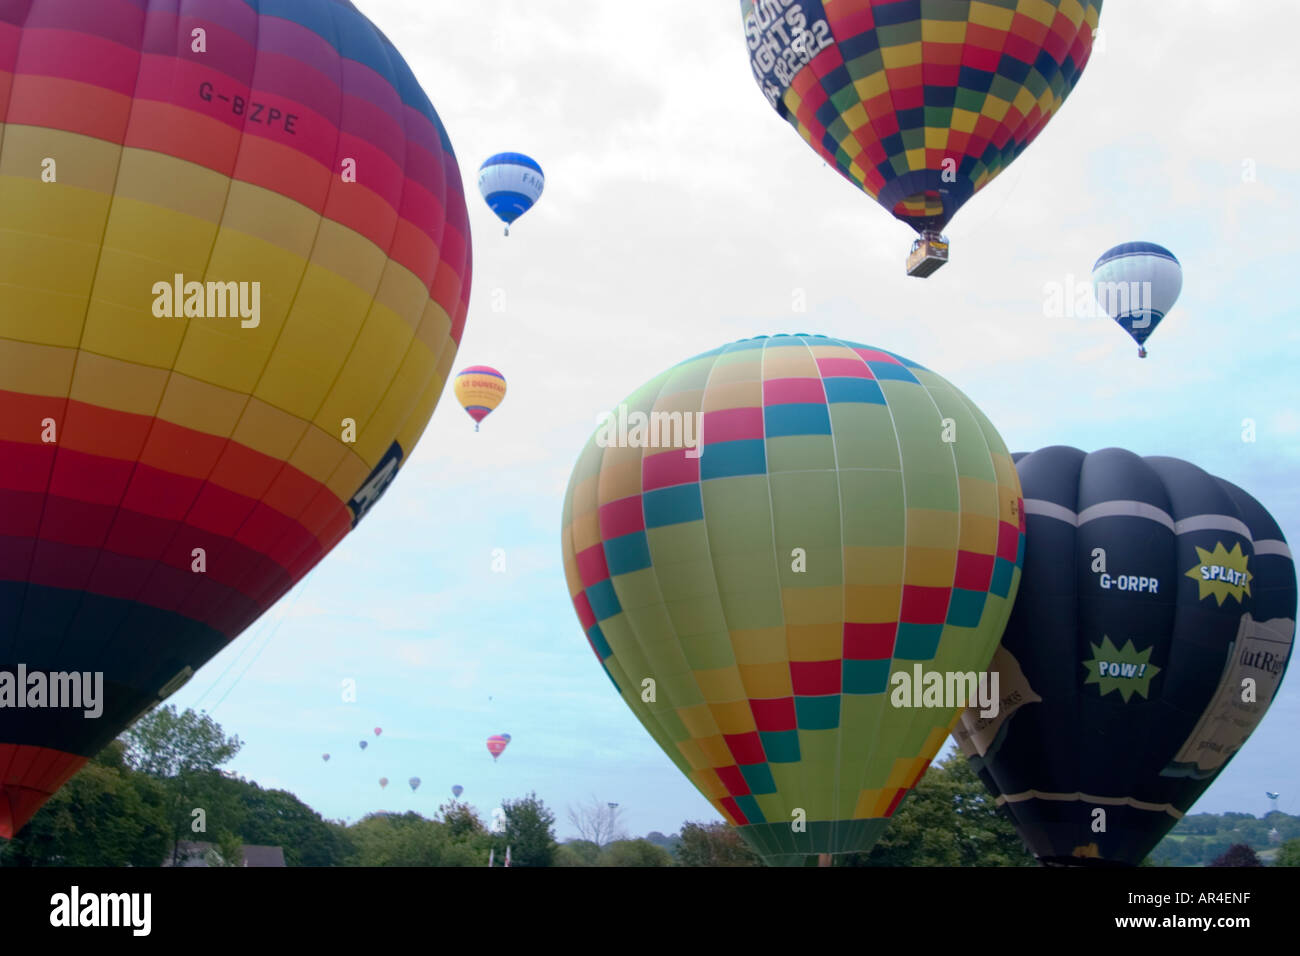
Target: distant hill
[1201, 837]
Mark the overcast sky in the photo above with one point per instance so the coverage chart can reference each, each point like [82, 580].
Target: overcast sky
[680, 214]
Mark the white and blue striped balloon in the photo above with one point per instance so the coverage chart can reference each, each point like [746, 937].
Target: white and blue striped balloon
[511, 183]
[1137, 283]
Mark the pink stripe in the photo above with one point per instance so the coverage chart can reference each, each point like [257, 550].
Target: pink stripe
[871, 355]
[114, 20]
[591, 565]
[732, 424]
[586, 616]
[792, 391]
[75, 56]
[669, 468]
[621, 517]
[843, 368]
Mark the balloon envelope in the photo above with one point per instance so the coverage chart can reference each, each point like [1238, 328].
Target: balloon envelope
[1136, 284]
[496, 744]
[415, 783]
[511, 184]
[919, 104]
[1151, 592]
[480, 389]
[195, 304]
[364, 744]
[378, 731]
[457, 790]
[383, 782]
[827, 537]
[325, 757]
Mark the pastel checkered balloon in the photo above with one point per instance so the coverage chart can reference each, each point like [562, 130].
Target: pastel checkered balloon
[758, 540]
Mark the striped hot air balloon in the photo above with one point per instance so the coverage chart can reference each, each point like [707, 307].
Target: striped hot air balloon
[480, 389]
[234, 273]
[782, 533]
[511, 184]
[1136, 284]
[496, 744]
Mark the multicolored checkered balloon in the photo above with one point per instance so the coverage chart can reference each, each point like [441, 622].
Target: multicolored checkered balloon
[919, 102]
[759, 540]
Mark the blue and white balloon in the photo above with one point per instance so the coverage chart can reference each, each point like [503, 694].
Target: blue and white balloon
[511, 183]
[1136, 284]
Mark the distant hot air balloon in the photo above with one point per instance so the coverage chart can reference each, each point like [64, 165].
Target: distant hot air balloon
[378, 731]
[919, 104]
[480, 389]
[850, 521]
[1136, 284]
[1152, 594]
[364, 745]
[415, 783]
[511, 183]
[497, 743]
[457, 790]
[325, 757]
[190, 308]
[383, 782]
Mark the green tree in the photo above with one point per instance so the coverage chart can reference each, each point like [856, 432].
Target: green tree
[461, 820]
[183, 751]
[104, 816]
[383, 839]
[228, 850]
[635, 853]
[167, 744]
[1288, 854]
[577, 853]
[278, 818]
[714, 844]
[948, 820]
[529, 832]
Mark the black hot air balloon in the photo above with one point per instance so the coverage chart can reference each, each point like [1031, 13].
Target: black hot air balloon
[1154, 624]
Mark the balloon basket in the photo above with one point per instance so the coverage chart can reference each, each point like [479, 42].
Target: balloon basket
[929, 254]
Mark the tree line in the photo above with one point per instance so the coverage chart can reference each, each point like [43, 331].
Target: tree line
[160, 786]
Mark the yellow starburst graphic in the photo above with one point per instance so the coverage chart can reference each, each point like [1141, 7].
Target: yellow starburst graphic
[1222, 573]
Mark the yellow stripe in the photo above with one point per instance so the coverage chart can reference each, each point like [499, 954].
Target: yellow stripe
[344, 332]
[1168, 808]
